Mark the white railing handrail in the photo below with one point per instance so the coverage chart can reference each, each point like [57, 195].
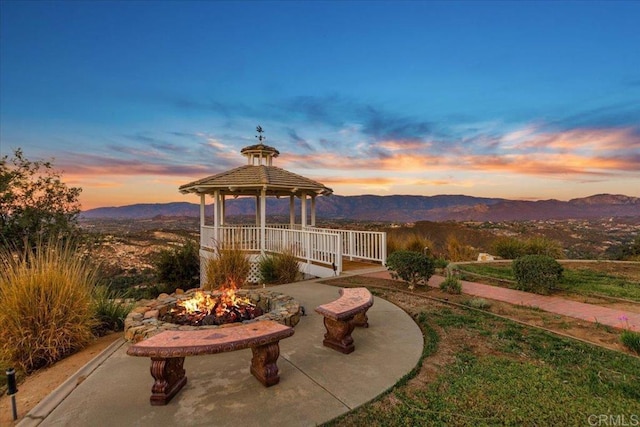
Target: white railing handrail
[317, 246]
[362, 244]
[313, 243]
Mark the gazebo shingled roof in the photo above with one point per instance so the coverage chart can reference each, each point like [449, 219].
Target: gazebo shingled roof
[246, 179]
[249, 179]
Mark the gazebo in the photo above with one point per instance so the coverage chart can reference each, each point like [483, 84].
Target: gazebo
[320, 251]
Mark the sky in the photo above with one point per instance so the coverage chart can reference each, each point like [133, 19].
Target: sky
[519, 100]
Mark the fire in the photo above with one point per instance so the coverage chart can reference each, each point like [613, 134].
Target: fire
[229, 299]
[200, 303]
[206, 309]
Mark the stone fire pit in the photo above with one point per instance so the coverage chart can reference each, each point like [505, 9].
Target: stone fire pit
[144, 320]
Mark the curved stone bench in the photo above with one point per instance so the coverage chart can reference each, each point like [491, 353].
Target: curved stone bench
[168, 349]
[342, 315]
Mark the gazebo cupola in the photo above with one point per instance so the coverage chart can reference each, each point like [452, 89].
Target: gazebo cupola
[260, 154]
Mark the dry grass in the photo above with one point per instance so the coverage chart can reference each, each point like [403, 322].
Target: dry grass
[46, 305]
[230, 268]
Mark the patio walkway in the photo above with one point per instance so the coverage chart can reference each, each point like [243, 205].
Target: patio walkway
[316, 385]
[552, 304]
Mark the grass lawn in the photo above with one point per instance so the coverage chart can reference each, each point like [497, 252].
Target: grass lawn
[582, 278]
[481, 370]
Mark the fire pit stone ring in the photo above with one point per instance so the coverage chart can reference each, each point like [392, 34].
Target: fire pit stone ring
[144, 320]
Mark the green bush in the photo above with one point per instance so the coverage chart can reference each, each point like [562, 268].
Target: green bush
[512, 248]
[544, 246]
[267, 268]
[536, 273]
[479, 303]
[451, 283]
[509, 248]
[179, 267]
[230, 268]
[47, 312]
[631, 340]
[109, 310]
[440, 263]
[279, 268]
[412, 267]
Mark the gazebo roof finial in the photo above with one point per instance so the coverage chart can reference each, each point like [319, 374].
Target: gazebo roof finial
[259, 135]
[260, 153]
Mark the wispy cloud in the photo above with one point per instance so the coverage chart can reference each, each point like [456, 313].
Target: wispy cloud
[98, 165]
[624, 114]
[298, 141]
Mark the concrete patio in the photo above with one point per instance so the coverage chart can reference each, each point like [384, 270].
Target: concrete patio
[316, 385]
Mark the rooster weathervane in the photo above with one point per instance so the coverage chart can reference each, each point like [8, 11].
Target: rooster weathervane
[259, 135]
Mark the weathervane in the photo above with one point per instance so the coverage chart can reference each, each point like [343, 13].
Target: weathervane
[260, 132]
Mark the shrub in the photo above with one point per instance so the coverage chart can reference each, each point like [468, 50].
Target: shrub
[512, 248]
[393, 243]
[179, 267]
[509, 248]
[537, 273]
[544, 246]
[412, 267]
[451, 283]
[479, 303]
[631, 340]
[267, 268]
[109, 310]
[458, 251]
[279, 268]
[230, 268]
[440, 263]
[46, 304]
[418, 243]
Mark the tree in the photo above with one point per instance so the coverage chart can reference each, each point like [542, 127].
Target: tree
[412, 267]
[34, 202]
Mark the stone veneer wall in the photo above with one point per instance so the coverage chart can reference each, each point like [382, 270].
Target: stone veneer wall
[143, 321]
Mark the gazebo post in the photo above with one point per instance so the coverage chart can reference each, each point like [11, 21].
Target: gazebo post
[292, 212]
[313, 210]
[202, 212]
[216, 216]
[257, 210]
[303, 209]
[263, 219]
[222, 208]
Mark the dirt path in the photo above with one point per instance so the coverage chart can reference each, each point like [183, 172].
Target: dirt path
[38, 385]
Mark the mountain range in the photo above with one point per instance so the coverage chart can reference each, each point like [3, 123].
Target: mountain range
[399, 208]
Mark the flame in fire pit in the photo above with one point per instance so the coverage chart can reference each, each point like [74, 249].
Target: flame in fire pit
[199, 303]
[206, 309]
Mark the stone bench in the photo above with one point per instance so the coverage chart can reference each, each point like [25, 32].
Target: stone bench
[168, 349]
[342, 315]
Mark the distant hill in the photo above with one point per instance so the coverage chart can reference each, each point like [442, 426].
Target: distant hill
[402, 208]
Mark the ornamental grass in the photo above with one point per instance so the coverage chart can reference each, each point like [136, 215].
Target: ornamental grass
[228, 269]
[46, 311]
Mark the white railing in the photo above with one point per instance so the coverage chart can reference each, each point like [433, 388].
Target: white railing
[246, 238]
[312, 246]
[365, 245]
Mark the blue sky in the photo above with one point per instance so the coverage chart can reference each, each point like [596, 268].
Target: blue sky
[501, 99]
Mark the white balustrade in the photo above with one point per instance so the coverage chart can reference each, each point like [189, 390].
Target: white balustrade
[313, 245]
